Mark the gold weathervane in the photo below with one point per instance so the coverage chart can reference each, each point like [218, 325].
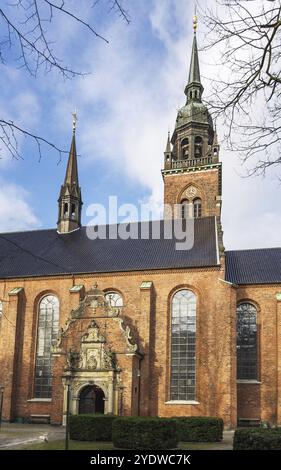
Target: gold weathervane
[74, 121]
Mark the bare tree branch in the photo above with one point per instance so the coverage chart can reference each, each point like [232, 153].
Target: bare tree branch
[26, 29]
[248, 35]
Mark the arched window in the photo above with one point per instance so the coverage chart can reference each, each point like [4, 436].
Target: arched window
[183, 343]
[247, 357]
[198, 147]
[184, 209]
[114, 299]
[73, 211]
[47, 331]
[65, 208]
[184, 149]
[197, 208]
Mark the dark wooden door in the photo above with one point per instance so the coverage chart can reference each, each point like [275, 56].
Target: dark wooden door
[91, 400]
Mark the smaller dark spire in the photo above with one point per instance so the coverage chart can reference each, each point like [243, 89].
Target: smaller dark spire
[71, 175]
[168, 146]
[70, 200]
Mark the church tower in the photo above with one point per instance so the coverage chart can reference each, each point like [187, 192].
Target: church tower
[70, 199]
[192, 170]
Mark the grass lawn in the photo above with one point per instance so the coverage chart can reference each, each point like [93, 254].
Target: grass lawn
[84, 445]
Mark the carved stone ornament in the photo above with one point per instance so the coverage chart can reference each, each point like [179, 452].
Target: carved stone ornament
[72, 360]
[93, 355]
[93, 335]
[190, 192]
[132, 348]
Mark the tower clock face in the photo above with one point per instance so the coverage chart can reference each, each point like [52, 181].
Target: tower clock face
[190, 192]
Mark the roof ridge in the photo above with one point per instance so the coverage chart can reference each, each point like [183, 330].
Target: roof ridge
[99, 225]
[254, 249]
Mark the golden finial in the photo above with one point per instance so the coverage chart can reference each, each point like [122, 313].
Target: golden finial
[74, 121]
[195, 19]
[195, 23]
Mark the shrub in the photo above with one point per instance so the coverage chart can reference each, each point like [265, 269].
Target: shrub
[91, 427]
[144, 433]
[257, 439]
[199, 429]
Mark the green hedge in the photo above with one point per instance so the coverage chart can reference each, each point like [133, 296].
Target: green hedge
[91, 427]
[144, 433]
[257, 439]
[199, 429]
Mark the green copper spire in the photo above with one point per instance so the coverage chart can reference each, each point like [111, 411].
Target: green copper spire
[194, 71]
[194, 88]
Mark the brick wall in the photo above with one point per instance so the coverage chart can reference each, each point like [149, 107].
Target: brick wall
[148, 315]
[206, 182]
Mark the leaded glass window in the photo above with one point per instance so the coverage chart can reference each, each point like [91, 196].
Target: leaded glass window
[47, 331]
[247, 342]
[114, 299]
[183, 346]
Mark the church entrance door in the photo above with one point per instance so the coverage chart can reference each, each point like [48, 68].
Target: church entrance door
[91, 400]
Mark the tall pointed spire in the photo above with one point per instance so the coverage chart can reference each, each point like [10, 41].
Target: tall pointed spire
[194, 70]
[71, 175]
[70, 200]
[194, 88]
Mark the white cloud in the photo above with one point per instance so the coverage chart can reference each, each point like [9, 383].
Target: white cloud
[15, 211]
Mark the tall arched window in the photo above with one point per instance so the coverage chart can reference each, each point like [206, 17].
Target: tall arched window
[184, 149]
[183, 344]
[198, 146]
[114, 299]
[47, 331]
[197, 208]
[184, 209]
[247, 357]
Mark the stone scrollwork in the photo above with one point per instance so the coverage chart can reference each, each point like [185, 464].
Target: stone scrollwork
[72, 359]
[132, 347]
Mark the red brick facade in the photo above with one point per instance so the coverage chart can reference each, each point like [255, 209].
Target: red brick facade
[147, 313]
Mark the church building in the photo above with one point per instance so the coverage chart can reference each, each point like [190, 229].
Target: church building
[135, 326]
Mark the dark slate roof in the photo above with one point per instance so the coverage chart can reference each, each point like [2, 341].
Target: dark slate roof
[45, 252]
[260, 266]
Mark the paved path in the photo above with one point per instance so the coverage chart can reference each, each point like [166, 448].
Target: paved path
[15, 435]
[12, 434]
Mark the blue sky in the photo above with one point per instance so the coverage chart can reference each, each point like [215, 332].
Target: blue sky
[125, 105]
